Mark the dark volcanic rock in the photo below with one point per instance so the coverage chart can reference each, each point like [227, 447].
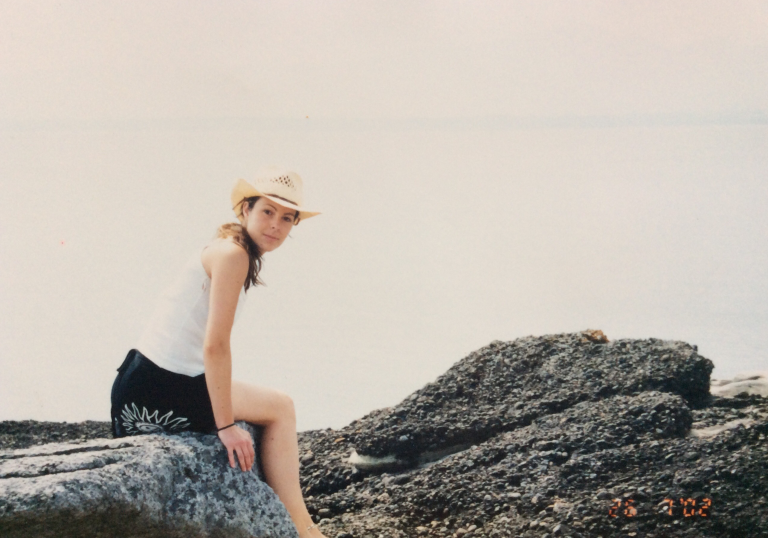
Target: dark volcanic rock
[26, 433]
[502, 387]
[584, 431]
[507, 385]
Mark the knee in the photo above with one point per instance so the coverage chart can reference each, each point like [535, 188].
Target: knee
[285, 407]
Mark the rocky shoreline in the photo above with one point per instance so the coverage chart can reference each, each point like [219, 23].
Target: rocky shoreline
[560, 435]
[27, 433]
[564, 432]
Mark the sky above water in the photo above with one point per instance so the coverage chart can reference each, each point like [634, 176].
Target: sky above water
[486, 170]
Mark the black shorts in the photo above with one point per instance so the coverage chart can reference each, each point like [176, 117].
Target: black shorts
[150, 399]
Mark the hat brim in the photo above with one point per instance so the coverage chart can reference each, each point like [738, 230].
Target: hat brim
[243, 190]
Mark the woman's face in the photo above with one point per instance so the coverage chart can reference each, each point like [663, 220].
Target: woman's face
[268, 223]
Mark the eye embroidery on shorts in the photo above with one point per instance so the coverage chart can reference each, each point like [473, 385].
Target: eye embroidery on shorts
[137, 422]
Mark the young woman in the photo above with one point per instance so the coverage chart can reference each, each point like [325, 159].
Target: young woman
[179, 377]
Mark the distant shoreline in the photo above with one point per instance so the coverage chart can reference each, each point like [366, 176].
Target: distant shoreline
[25, 433]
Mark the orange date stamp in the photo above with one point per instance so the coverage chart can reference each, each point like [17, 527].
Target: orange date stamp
[685, 507]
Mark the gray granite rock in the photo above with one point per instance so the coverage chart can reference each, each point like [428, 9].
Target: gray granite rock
[145, 486]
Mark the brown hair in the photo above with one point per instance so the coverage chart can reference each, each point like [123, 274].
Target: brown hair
[239, 235]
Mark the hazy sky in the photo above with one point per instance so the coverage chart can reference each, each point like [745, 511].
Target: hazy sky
[486, 170]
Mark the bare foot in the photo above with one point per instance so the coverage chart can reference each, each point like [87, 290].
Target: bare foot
[312, 532]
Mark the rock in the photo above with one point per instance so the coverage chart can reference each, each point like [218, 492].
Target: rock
[564, 457]
[25, 433]
[502, 387]
[585, 431]
[148, 486]
[546, 375]
[595, 336]
[751, 384]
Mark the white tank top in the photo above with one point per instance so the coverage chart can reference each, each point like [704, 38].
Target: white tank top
[173, 338]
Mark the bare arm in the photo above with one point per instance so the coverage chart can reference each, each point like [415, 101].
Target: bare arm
[228, 264]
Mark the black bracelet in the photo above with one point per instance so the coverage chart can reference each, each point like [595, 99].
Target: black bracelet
[225, 427]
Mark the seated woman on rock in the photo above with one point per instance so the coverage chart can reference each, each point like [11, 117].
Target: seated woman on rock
[179, 377]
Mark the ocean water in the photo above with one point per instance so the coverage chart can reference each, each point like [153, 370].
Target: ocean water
[436, 238]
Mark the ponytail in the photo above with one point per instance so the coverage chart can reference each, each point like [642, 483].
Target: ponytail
[239, 235]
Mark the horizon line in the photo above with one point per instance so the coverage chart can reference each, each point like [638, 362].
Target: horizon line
[497, 122]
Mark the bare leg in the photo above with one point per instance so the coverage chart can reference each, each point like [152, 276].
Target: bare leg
[279, 446]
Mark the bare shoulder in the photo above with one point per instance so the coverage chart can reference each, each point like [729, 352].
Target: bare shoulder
[224, 255]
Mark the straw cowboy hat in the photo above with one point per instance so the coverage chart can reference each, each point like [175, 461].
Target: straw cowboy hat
[282, 186]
